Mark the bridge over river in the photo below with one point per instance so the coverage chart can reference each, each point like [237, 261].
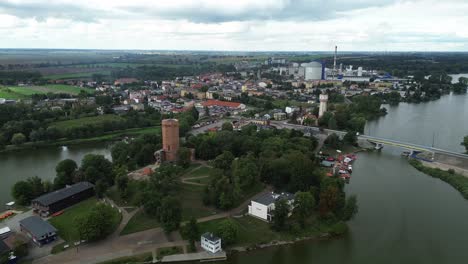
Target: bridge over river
[440, 155]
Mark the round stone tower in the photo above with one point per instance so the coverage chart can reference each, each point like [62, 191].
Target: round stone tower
[170, 139]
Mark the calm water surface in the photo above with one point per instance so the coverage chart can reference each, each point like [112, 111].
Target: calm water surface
[15, 166]
[404, 216]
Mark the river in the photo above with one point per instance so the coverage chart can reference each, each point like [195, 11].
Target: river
[15, 166]
[404, 216]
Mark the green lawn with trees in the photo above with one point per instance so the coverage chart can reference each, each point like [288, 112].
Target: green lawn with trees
[88, 220]
[465, 143]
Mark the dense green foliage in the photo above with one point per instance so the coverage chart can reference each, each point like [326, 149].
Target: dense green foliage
[12, 77]
[137, 153]
[227, 231]
[25, 191]
[280, 214]
[353, 116]
[457, 181]
[23, 123]
[98, 223]
[66, 170]
[261, 157]
[159, 197]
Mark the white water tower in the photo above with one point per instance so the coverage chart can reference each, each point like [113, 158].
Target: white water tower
[323, 104]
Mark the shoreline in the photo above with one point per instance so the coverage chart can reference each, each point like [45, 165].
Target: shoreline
[70, 142]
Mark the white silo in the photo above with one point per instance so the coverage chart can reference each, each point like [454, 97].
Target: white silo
[313, 71]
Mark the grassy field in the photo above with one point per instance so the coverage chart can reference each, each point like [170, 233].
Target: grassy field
[142, 258]
[86, 121]
[201, 172]
[65, 222]
[23, 92]
[192, 203]
[139, 222]
[251, 231]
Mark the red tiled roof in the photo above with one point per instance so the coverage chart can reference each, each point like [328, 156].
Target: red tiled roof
[221, 103]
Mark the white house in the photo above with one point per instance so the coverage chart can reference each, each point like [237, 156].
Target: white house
[211, 243]
[263, 206]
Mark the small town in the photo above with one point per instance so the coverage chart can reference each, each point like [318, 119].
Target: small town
[237, 132]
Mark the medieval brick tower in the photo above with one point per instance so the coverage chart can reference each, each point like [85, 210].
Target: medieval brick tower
[170, 139]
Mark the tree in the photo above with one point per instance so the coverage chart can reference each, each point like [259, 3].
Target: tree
[119, 153]
[227, 126]
[97, 167]
[65, 170]
[332, 123]
[100, 188]
[184, 156]
[18, 139]
[224, 161]
[333, 141]
[22, 192]
[304, 203]
[351, 208]
[323, 121]
[227, 231]
[193, 233]
[465, 143]
[350, 138]
[280, 214]
[121, 180]
[97, 224]
[146, 155]
[245, 172]
[170, 214]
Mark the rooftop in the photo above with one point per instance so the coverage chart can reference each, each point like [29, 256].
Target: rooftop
[210, 237]
[271, 197]
[37, 227]
[221, 103]
[53, 197]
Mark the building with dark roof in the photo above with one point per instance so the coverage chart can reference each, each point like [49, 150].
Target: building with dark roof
[210, 242]
[262, 206]
[55, 201]
[40, 231]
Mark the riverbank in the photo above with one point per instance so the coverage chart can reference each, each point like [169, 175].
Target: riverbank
[458, 181]
[99, 139]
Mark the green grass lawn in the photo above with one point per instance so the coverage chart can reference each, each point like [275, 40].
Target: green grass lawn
[192, 202]
[10, 94]
[139, 222]
[200, 172]
[86, 121]
[65, 222]
[70, 89]
[142, 258]
[251, 231]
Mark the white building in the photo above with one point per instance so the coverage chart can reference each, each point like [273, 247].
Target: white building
[263, 206]
[323, 104]
[210, 243]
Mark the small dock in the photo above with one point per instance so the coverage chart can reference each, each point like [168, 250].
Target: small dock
[200, 256]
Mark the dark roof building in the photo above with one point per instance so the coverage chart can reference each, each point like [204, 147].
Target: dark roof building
[40, 231]
[270, 198]
[55, 201]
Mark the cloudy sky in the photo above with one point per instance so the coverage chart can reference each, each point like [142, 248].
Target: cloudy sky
[244, 25]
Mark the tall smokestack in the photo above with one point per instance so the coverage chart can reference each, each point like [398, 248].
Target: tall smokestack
[334, 63]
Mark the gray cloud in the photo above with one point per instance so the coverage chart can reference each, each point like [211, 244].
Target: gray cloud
[199, 12]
